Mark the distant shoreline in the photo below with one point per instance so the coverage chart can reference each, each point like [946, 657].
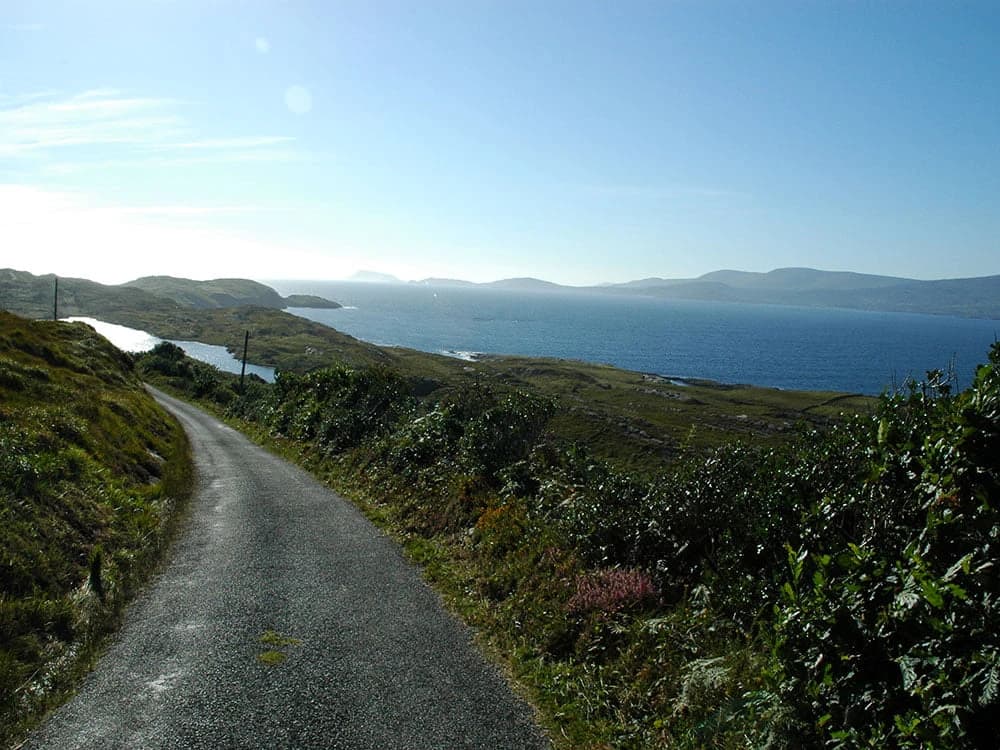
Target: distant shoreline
[974, 297]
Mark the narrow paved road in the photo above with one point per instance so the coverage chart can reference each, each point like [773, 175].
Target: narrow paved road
[376, 662]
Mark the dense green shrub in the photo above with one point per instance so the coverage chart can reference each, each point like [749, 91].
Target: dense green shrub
[890, 635]
[337, 407]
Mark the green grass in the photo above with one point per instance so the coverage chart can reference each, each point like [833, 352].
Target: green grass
[92, 476]
[279, 645]
[271, 658]
[276, 639]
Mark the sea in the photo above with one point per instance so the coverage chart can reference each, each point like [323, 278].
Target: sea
[801, 348]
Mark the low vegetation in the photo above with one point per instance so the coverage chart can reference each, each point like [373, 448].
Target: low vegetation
[831, 585]
[92, 473]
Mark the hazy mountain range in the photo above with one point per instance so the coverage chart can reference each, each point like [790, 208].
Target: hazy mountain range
[978, 297]
[807, 287]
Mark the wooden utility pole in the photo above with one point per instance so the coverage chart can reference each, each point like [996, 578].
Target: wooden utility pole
[243, 370]
[55, 301]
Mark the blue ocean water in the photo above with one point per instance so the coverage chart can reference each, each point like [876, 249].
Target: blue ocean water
[766, 345]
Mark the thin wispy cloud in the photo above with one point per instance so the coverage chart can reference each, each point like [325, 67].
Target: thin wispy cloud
[235, 143]
[107, 125]
[146, 160]
[186, 211]
[11, 99]
[97, 94]
[95, 118]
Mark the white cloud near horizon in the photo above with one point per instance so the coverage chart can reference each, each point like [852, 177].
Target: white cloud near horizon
[66, 233]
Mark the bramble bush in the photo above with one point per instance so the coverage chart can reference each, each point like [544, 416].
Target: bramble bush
[336, 408]
[891, 638]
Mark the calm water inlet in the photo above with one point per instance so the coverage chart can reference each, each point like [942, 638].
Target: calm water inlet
[133, 340]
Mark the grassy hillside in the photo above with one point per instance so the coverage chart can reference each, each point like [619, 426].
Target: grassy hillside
[217, 293]
[91, 475]
[277, 338]
[32, 296]
[214, 293]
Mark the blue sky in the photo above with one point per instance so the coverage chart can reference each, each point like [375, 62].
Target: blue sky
[579, 141]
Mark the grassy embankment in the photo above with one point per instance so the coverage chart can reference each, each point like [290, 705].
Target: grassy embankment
[92, 475]
[839, 589]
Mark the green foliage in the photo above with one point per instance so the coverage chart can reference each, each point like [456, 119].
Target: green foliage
[890, 637]
[167, 364]
[335, 408]
[168, 359]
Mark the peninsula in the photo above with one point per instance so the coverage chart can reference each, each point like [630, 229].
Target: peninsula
[32, 295]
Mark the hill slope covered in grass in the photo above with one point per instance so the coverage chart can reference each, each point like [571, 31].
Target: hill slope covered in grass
[92, 473]
[33, 296]
[217, 293]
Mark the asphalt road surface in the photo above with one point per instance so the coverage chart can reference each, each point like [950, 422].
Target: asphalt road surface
[357, 650]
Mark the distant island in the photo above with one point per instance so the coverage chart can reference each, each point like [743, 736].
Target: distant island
[374, 277]
[801, 287]
[31, 295]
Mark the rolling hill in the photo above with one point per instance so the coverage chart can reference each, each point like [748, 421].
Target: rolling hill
[32, 296]
[801, 287]
[974, 297]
